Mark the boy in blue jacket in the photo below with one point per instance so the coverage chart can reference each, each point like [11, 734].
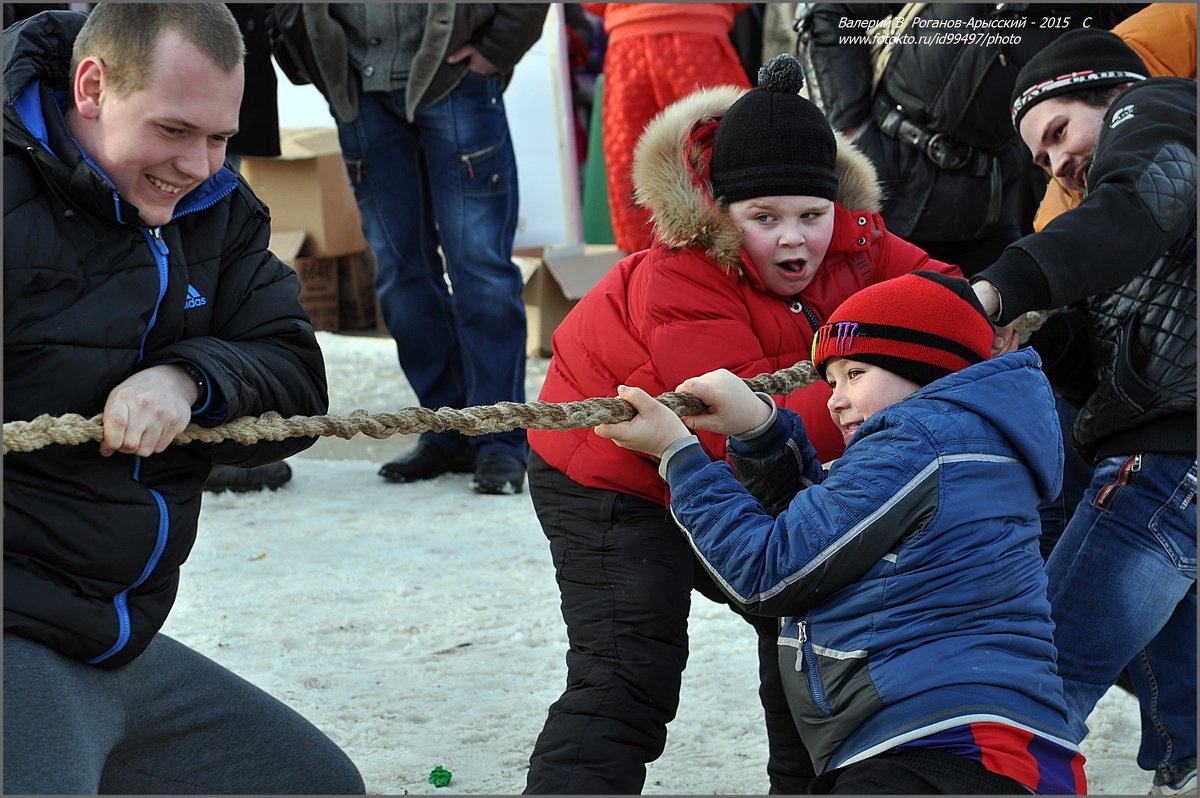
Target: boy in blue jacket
[915, 637]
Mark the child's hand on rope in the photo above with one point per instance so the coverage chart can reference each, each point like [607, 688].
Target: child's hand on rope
[651, 431]
[1007, 340]
[732, 406]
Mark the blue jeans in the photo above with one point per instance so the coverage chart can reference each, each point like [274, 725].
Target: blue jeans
[448, 179]
[1123, 592]
[1077, 473]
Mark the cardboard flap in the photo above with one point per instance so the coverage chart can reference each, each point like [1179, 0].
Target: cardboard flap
[308, 142]
[527, 266]
[287, 244]
[578, 267]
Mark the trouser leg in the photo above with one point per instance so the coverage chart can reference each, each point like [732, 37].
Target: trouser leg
[475, 198]
[624, 573]
[789, 767]
[1117, 578]
[386, 164]
[1163, 675]
[61, 718]
[170, 722]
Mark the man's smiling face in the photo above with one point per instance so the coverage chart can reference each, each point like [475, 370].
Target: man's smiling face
[1062, 135]
[159, 142]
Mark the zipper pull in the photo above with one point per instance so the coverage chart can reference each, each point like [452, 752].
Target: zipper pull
[470, 169]
[802, 636]
[159, 244]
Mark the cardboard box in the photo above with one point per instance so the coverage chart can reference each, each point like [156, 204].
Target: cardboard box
[555, 282]
[307, 188]
[318, 277]
[357, 302]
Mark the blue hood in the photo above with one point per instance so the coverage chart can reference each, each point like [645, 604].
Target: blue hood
[1013, 394]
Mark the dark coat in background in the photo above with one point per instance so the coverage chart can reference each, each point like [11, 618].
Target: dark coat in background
[258, 120]
[971, 183]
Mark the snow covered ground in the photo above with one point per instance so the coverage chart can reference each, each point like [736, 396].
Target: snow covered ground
[418, 625]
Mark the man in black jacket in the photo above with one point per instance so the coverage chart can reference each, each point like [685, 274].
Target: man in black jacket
[1122, 268]
[932, 118]
[137, 287]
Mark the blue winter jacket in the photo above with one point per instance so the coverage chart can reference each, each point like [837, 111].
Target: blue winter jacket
[912, 592]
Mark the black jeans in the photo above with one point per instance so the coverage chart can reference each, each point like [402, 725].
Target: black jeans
[626, 573]
[916, 771]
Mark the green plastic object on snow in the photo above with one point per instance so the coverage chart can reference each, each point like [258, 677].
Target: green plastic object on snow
[440, 777]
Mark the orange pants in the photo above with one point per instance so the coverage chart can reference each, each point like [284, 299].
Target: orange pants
[643, 75]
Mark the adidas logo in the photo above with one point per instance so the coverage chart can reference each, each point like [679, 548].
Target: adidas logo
[194, 298]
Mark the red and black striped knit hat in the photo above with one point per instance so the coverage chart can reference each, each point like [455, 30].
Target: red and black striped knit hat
[921, 326]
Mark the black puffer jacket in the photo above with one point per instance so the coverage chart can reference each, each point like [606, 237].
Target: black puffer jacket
[93, 545]
[1125, 260]
[958, 88]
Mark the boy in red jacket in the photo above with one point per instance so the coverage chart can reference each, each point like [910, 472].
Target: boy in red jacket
[763, 225]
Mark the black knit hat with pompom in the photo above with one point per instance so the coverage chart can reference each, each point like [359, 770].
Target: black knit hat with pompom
[773, 142]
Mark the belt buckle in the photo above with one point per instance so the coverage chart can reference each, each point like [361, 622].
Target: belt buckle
[942, 153]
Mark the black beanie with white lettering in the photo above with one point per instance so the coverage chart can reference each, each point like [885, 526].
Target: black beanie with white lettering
[1081, 59]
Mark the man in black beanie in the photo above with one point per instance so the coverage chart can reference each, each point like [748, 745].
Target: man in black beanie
[1121, 269]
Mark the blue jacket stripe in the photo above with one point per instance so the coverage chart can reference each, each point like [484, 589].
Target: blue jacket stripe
[119, 600]
[888, 520]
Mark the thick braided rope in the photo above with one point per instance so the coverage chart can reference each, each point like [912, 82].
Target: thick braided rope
[72, 429]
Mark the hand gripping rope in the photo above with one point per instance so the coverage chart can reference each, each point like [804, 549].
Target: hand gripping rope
[72, 429]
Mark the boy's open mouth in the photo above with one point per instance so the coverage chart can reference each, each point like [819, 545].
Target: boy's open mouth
[793, 266]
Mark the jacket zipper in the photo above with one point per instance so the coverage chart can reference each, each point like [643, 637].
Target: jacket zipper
[159, 249]
[806, 655]
[796, 306]
[120, 605]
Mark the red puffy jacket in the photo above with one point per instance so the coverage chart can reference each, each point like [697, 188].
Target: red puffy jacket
[694, 302]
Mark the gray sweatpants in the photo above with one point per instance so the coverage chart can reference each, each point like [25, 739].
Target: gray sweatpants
[170, 722]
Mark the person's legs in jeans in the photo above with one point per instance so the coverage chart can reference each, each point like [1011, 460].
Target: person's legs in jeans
[383, 156]
[1162, 674]
[473, 184]
[625, 576]
[1123, 573]
[1077, 474]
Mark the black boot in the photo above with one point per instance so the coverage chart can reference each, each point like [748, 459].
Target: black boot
[248, 480]
[427, 461]
[499, 473]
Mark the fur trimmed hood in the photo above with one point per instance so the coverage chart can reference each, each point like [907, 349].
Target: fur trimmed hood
[671, 176]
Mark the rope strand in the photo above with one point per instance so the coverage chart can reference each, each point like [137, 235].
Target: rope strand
[72, 429]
